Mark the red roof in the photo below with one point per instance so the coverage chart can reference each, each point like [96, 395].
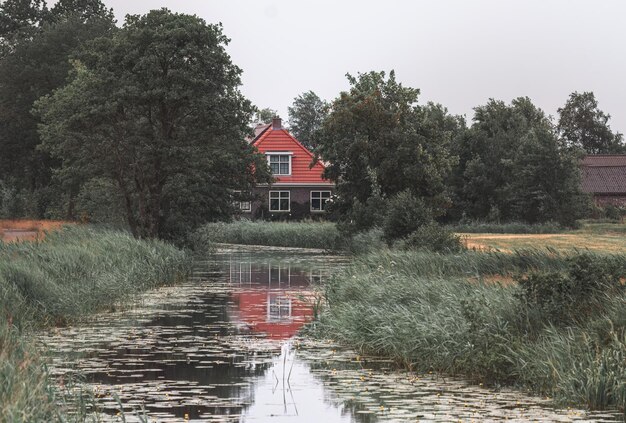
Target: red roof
[278, 140]
[604, 174]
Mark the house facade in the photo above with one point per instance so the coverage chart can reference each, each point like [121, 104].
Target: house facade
[604, 177]
[299, 190]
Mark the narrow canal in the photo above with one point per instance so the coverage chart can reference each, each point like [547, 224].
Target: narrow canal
[222, 347]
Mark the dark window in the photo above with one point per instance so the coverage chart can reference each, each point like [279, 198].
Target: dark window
[280, 164]
[319, 200]
[279, 200]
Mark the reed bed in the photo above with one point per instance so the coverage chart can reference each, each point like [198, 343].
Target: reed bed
[73, 272]
[422, 310]
[323, 235]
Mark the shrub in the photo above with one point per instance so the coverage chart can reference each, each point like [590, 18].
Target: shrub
[405, 214]
[432, 237]
[574, 296]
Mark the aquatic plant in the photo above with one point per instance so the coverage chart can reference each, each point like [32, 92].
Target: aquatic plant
[69, 274]
[442, 312]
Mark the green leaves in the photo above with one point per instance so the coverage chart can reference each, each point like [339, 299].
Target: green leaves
[584, 127]
[156, 107]
[379, 142]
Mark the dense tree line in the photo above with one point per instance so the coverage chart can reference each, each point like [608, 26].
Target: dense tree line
[401, 165]
[144, 125]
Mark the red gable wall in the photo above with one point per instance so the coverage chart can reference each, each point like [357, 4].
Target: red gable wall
[279, 140]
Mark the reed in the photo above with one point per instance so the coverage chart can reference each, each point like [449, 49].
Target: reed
[323, 235]
[73, 272]
[439, 312]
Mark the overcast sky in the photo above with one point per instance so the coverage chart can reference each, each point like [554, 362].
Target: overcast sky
[457, 52]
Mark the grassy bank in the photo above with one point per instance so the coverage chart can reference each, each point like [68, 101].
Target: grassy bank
[322, 235]
[68, 275]
[559, 332]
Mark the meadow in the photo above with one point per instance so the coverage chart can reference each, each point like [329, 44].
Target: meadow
[70, 274]
[597, 237]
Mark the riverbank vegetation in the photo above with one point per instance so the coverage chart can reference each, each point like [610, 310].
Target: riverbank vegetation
[557, 328]
[70, 274]
[322, 235]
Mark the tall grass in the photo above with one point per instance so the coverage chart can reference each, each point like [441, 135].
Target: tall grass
[423, 310]
[71, 273]
[323, 235]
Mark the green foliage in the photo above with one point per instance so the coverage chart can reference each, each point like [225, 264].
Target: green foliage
[421, 310]
[585, 128]
[405, 214]
[69, 274]
[512, 169]
[37, 65]
[279, 234]
[575, 296]
[433, 237]
[306, 117]
[156, 108]
[264, 115]
[78, 270]
[379, 142]
[99, 201]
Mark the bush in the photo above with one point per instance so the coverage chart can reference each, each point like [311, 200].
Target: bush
[405, 214]
[432, 237]
[574, 296]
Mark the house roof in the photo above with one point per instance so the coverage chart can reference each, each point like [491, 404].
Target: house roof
[604, 174]
[604, 160]
[305, 168]
[259, 129]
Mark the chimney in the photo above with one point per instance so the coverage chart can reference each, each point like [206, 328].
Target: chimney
[276, 123]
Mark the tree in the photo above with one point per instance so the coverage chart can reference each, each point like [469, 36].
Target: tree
[84, 10]
[264, 115]
[19, 19]
[379, 142]
[584, 127]
[156, 108]
[36, 66]
[306, 117]
[511, 167]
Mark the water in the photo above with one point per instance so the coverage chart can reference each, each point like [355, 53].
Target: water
[221, 348]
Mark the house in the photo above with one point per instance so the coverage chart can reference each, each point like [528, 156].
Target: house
[604, 177]
[273, 299]
[299, 189]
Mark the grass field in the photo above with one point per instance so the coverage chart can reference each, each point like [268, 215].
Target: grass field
[597, 237]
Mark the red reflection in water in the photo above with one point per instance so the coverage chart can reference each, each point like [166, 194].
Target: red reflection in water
[273, 299]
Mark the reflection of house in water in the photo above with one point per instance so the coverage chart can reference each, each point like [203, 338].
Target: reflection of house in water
[272, 298]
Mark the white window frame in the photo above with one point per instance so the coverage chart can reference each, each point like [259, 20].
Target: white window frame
[279, 200]
[321, 210]
[268, 154]
[239, 204]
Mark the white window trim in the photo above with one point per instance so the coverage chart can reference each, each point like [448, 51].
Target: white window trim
[311, 200]
[280, 153]
[269, 196]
